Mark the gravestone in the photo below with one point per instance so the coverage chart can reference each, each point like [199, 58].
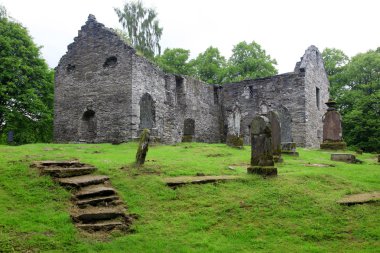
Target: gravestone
[332, 128]
[234, 139]
[378, 158]
[276, 136]
[142, 150]
[289, 148]
[261, 143]
[10, 137]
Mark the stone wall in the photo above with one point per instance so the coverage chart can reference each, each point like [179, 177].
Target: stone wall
[259, 96]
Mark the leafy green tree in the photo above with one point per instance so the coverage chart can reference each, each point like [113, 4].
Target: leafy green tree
[360, 101]
[26, 87]
[355, 84]
[249, 61]
[175, 60]
[3, 12]
[335, 61]
[142, 27]
[210, 66]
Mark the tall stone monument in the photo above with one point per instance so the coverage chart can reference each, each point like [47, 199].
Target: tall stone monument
[142, 149]
[332, 128]
[276, 135]
[261, 143]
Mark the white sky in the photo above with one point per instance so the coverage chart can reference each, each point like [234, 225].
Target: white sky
[283, 28]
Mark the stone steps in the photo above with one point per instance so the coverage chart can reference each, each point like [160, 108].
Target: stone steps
[67, 172]
[98, 201]
[96, 205]
[94, 191]
[80, 181]
[93, 214]
[103, 226]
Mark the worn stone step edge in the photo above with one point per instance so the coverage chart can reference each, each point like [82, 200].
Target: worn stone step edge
[97, 201]
[97, 214]
[83, 180]
[61, 164]
[103, 226]
[67, 172]
[91, 192]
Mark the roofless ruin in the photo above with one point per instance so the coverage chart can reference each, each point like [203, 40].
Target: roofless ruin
[105, 92]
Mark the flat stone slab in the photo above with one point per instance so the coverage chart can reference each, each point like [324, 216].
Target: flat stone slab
[178, 181]
[67, 172]
[94, 191]
[97, 201]
[94, 214]
[348, 158]
[360, 198]
[81, 181]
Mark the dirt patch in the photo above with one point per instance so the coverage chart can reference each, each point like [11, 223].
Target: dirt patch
[218, 155]
[133, 171]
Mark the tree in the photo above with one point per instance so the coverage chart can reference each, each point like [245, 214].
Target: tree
[335, 60]
[26, 87]
[3, 12]
[249, 61]
[355, 84]
[142, 27]
[175, 61]
[210, 66]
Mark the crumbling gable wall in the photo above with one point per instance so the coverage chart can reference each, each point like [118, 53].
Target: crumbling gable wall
[94, 76]
[301, 94]
[316, 94]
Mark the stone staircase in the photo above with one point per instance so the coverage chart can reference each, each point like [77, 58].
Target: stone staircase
[96, 205]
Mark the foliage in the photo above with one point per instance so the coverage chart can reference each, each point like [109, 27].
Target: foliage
[210, 66]
[296, 212]
[175, 60]
[123, 35]
[142, 27]
[249, 61]
[356, 87]
[3, 12]
[26, 91]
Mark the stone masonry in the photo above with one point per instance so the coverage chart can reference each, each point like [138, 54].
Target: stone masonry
[105, 92]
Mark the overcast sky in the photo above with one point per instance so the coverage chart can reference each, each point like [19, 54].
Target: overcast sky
[283, 28]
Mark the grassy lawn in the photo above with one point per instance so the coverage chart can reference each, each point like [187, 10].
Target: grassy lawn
[295, 212]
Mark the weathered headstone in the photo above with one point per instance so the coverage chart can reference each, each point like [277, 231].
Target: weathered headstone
[234, 139]
[261, 142]
[10, 137]
[142, 150]
[289, 148]
[276, 136]
[332, 128]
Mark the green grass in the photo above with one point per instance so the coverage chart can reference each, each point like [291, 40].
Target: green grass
[295, 212]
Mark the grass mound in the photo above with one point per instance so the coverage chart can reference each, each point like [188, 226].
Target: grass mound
[296, 211]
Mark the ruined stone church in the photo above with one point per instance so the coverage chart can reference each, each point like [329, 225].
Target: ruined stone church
[105, 92]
